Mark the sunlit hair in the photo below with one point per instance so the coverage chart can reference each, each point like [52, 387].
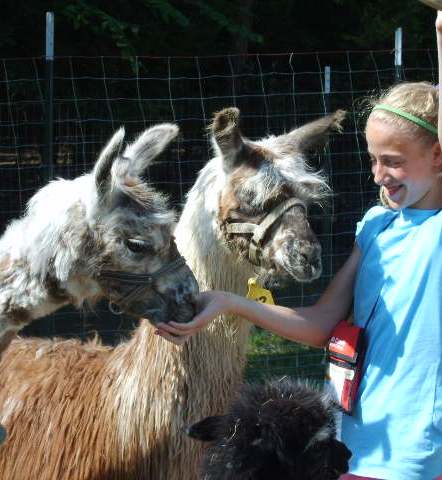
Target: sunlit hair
[418, 98]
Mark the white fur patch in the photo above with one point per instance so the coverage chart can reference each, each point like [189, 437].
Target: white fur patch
[9, 407]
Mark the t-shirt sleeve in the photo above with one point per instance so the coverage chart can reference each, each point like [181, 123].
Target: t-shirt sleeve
[371, 224]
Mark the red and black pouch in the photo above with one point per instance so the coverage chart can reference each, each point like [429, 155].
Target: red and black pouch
[346, 348]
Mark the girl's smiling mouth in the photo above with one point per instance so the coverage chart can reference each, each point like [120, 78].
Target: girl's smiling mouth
[393, 190]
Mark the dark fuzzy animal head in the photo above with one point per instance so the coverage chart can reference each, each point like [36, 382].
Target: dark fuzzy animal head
[280, 430]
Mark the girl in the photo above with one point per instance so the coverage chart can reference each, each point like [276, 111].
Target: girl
[393, 278]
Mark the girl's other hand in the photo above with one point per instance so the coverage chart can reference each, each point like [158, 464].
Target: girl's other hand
[209, 306]
[439, 22]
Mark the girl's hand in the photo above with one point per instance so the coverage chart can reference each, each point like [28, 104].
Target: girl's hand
[439, 22]
[209, 306]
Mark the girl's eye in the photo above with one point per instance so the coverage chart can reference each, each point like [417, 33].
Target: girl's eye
[139, 246]
[397, 164]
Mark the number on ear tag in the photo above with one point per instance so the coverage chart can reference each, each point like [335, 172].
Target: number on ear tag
[258, 293]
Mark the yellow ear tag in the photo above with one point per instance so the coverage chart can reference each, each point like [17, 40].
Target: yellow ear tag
[258, 293]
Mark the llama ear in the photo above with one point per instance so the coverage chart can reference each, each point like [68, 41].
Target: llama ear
[313, 136]
[107, 156]
[227, 136]
[207, 429]
[148, 146]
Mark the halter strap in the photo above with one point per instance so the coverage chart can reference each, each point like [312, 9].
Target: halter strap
[241, 227]
[140, 282]
[259, 230]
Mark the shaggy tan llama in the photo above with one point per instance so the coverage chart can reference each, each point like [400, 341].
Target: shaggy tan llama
[90, 412]
[267, 182]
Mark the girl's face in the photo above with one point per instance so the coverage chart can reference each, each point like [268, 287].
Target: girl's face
[406, 168]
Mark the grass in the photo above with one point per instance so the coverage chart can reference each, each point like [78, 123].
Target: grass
[273, 356]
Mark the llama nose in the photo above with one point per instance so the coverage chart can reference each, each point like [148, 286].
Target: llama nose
[310, 251]
[190, 299]
[314, 261]
[185, 294]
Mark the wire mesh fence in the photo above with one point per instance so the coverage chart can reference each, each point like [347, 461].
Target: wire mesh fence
[93, 96]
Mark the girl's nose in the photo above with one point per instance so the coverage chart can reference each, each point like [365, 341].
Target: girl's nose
[379, 172]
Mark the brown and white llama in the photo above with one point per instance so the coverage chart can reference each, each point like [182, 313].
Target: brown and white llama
[246, 215]
[93, 412]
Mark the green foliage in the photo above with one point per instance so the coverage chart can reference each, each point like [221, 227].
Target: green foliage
[204, 27]
[167, 12]
[128, 35]
[83, 14]
[378, 20]
[222, 20]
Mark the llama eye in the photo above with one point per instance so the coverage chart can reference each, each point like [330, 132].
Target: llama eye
[138, 246]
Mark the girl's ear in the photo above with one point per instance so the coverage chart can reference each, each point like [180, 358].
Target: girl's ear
[437, 159]
[437, 156]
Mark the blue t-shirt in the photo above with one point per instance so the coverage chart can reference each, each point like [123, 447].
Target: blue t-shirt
[395, 432]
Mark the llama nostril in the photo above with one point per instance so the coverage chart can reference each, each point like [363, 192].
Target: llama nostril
[304, 256]
[191, 300]
[310, 253]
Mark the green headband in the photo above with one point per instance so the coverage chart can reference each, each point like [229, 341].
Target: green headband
[412, 118]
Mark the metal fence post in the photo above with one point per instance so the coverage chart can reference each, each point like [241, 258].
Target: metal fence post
[329, 210]
[327, 88]
[49, 97]
[398, 73]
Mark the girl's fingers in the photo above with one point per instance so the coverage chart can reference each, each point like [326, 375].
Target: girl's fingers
[183, 327]
[174, 328]
[208, 310]
[198, 322]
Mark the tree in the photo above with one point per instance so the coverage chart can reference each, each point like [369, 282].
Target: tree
[205, 27]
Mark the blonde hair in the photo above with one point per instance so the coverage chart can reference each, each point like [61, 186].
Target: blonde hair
[418, 98]
[421, 99]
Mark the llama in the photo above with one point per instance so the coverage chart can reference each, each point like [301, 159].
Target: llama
[284, 430]
[266, 183]
[92, 412]
[104, 234]
[101, 235]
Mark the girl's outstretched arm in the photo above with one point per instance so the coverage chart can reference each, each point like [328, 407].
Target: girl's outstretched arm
[308, 325]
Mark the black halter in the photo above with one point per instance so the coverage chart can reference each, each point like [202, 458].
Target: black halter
[140, 281]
